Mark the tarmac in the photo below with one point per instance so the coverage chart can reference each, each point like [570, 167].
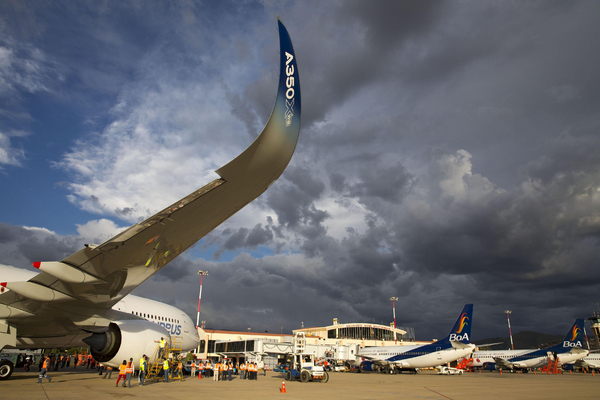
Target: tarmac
[84, 384]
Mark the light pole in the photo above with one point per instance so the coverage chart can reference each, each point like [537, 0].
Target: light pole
[394, 300]
[508, 312]
[201, 273]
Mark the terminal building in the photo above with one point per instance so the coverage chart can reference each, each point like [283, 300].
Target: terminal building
[336, 341]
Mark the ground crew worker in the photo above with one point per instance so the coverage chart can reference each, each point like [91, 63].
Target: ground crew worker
[216, 372]
[224, 370]
[108, 372]
[230, 369]
[242, 371]
[180, 370]
[162, 344]
[193, 368]
[208, 369]
[128, 372]
[122, 372]
[142, 373]
[166, 370]
[43, 370]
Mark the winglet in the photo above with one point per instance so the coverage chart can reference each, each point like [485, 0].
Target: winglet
[266, 158]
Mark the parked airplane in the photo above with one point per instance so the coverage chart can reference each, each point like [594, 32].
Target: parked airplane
[591, 361]
[570, 349]
[83, 298]
[411, 358]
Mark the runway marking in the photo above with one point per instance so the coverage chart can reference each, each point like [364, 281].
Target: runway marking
[438, 393]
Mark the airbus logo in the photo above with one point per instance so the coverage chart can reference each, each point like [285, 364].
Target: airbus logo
[172, 328]
[459, 338]
[572, 344]
[289, 93]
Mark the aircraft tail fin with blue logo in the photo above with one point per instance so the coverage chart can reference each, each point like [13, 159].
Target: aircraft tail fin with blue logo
[575, 336]
[461, 332]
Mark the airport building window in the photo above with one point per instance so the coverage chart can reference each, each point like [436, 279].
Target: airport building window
[211, 346]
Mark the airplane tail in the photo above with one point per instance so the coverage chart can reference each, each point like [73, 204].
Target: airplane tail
[461, 332]
[575, 336]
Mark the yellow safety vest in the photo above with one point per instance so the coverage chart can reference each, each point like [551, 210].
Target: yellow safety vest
[166, 365]
[142, 364]
[162, 343]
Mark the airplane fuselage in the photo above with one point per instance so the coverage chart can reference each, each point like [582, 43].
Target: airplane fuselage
[413, 357]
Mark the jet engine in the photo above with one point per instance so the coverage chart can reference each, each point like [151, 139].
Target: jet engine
[124, 340]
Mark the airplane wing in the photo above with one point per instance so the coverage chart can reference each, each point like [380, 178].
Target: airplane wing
[460, 345]
[578, 350]
[376, 361]
[97, 277]
[502, 362]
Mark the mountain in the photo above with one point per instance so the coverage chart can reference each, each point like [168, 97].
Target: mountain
[523, 340]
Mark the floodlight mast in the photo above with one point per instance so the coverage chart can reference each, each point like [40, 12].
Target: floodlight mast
[508, 312]
[201, 273]
[394, 300]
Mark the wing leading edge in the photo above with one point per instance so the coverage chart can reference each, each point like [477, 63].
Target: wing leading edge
[116, 267]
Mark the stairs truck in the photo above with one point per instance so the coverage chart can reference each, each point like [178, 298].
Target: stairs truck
[302, 365]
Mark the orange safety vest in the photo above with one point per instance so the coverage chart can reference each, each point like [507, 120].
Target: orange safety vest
[180, 365]
[122, 369]
[201, 367]
[45, 366]
[129, 369]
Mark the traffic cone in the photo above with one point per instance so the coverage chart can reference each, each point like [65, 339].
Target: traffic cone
[282, 390]
[500, 372]
[199, 375]
[571, 372]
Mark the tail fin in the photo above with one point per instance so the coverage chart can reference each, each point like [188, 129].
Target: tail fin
[575, 336]
[461, 332]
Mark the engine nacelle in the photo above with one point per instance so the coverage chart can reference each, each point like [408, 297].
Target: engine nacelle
[124, 340]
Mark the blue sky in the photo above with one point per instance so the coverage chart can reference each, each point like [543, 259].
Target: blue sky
[448, 153]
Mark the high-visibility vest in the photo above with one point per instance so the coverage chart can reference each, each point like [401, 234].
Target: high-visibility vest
[243, 367]
[180, 366]
[122, 369]
[45, 365]
[129, 368]
[166, 364]
[201, 367]
[225, 367]
[142, 360]
[162, 343]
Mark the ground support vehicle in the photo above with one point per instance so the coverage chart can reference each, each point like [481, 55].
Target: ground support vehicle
[303, 368]
[449, 371]
[302, 365]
